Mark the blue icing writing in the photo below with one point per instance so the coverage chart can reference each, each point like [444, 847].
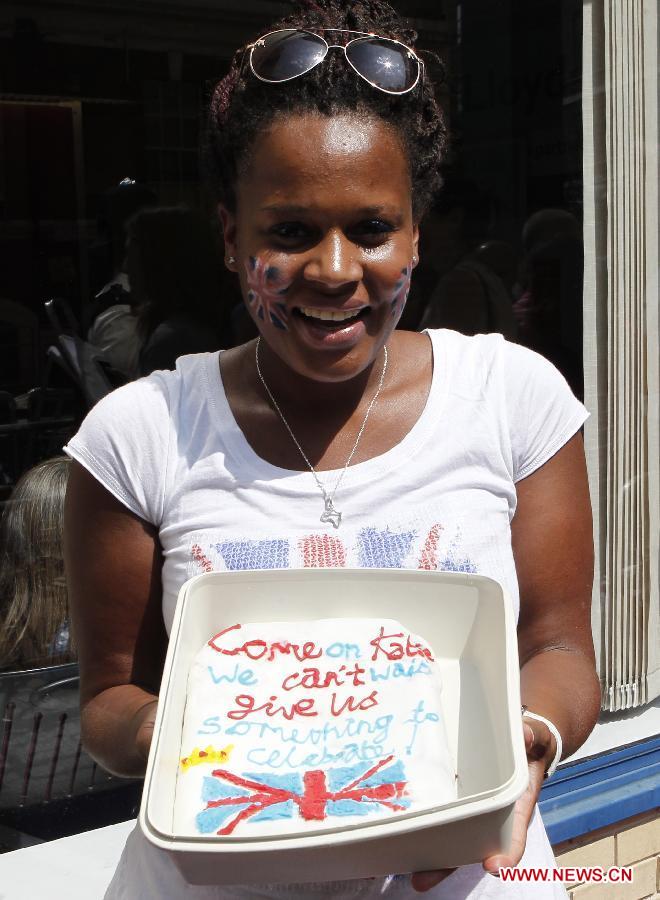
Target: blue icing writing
[339, 650]
[419, 716]
[242, 676]
[210, 726]
[239, 729]
[384, 549]
[295, 758]
[239, 555]
[399, 670]
[378, 730]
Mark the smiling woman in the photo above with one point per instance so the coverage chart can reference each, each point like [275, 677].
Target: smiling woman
[326, 274]
[331, 440]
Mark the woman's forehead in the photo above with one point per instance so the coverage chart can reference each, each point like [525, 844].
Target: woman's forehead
[307, 154]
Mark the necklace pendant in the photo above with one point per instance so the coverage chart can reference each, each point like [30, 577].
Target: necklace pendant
[330, 514]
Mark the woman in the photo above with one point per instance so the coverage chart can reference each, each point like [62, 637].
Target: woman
[332, 439]
[33, 594]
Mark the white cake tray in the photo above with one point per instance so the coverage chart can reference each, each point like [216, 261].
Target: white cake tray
[469, 623]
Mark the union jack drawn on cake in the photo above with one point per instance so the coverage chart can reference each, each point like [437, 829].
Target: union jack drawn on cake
[313, 795]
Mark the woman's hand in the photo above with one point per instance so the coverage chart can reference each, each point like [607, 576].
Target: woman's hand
[541, 748]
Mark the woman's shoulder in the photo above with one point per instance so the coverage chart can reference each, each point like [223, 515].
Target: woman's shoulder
[467, 359]
[167, 386]
[125, 440]
[487, 367]
[487, 349]
[152, 405]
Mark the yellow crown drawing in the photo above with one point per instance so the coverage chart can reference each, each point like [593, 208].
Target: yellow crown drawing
[209, 755]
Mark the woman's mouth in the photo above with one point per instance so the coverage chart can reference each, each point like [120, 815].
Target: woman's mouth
[330, 328]
[333, 319]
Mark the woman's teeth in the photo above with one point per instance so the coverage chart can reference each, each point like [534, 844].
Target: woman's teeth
[329, 315]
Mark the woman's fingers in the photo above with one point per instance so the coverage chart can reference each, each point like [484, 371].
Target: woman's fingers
[424, 881]
[522, 815]
[539, 744]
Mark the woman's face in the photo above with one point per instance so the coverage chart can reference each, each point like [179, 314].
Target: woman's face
[323, 241]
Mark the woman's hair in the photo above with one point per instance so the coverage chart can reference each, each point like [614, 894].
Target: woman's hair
[242, 106]
[33, 593]
[173, 265]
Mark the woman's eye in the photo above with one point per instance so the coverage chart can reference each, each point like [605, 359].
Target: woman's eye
[290, 231]
[371, 231]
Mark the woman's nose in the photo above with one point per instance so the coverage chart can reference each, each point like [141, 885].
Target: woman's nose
[334, 261]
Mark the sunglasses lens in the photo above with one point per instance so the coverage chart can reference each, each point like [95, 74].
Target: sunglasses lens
[386, 65]
[287, 54]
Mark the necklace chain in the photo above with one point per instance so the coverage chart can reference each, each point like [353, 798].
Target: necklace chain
[330, 514]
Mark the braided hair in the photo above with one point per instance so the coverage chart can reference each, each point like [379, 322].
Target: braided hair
[242, 106]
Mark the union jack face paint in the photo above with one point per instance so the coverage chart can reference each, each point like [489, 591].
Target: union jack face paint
[265, 289]
[401, 290]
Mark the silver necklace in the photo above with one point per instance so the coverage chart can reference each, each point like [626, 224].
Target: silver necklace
[330, 513]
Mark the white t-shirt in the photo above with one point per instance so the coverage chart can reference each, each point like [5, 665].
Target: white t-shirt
[169, 448]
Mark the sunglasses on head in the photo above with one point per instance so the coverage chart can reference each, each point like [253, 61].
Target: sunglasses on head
[386, 64]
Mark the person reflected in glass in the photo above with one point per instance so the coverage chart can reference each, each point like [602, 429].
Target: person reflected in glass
[173, 266]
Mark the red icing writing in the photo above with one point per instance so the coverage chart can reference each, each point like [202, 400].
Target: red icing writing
[393, 650]
[351, 704]
[246, 706]
[314, 678]
[258, 649]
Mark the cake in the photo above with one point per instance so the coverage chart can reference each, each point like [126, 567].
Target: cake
[298, 726]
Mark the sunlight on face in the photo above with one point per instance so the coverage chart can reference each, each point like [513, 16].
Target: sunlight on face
[338, 139]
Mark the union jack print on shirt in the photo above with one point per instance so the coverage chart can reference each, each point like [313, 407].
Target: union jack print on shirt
[432, 547]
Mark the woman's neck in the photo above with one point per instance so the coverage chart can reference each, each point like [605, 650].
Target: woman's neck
[310, 397]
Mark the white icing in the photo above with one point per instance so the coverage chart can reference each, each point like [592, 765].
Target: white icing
[295, 715]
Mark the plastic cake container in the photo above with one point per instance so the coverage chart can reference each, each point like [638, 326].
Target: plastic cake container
[469, 623]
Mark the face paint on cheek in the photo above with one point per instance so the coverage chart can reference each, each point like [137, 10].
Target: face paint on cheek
[401, 291]
[265, 289]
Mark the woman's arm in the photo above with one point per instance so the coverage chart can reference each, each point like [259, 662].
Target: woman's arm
[113, 565]
[552, 543]
[553, 550]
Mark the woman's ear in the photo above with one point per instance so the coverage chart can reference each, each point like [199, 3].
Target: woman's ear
[415, 244]
[228, 222]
